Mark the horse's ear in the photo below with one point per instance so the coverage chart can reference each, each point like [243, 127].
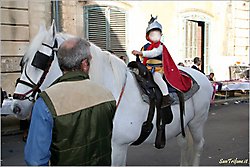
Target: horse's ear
[53, 28]
[42, 28]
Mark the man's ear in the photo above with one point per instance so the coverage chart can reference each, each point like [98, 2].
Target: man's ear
[84, 63]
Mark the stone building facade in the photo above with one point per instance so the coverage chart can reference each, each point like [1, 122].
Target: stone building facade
[20, 22]
[216, 31]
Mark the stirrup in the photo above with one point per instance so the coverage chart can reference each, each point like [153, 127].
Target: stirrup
[167, 101]
[160, 140]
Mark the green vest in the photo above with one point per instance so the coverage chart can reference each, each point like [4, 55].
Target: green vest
[83, 115]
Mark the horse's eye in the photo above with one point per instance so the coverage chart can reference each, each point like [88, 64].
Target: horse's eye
[17, 80]
[21, 64]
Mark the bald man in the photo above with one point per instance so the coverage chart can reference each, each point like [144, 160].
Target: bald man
[71, 124]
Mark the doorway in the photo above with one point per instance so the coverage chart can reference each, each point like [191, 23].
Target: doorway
[195, 41]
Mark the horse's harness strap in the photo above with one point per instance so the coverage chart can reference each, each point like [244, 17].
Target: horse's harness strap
[35, 87]
[122, 91]
[27, 76]
[149, 87]
[147, 126]
[25, 83]
[44, 44]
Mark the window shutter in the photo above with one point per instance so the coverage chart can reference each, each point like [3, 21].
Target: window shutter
[192, 41]
[189, 43]
[117, 32]
[106, 27]
[206, 60]
[97, 26]
[194, 45]
[188, 39]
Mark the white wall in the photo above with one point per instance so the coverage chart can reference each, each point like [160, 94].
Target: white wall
[170, 15]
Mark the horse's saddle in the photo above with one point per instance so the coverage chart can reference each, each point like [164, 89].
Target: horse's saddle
[152, 95]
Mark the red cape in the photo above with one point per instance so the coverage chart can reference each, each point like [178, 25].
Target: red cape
[172, 74]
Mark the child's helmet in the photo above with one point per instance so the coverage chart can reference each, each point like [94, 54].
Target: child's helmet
[153, 24]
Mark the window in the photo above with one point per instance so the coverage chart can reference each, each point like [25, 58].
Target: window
[106, 27]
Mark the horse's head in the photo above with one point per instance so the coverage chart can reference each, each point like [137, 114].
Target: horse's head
[39, 69]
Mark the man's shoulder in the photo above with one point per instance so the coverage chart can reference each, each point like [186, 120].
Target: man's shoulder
[79, 94]
[40, 109]
[82, 88]
[193, 66]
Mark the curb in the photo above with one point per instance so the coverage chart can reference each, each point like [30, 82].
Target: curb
[231, 99]
[10, 125]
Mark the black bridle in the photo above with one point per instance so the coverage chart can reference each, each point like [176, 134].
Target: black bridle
[35, 88]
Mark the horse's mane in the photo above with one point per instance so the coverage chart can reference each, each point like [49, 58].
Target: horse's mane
[35, 44]
[117, 65]
[119, 69]
[63, 36]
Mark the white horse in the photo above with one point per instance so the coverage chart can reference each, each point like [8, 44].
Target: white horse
[111, 72]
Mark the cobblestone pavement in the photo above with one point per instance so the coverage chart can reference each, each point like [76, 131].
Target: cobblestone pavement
[226, 135]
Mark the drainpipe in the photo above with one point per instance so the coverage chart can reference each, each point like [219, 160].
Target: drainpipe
[55, 14]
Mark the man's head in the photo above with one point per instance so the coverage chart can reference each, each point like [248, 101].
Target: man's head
[74, 55]
[123, 58]
[211, 75]
[197, 61]
[181, 64]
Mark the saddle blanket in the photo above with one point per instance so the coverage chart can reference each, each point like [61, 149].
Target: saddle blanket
[187, 95]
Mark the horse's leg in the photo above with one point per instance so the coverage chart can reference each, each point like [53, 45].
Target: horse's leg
[185, 144]
[198, 145]
[119, 154]
[196, 127]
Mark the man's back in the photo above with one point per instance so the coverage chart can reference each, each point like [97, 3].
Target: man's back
[82, 123]
[72, 121]
[82, 115]
[196, 68]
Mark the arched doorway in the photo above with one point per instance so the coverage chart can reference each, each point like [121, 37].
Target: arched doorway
[196, 38]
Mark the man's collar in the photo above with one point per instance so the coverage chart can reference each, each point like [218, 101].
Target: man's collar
[196, 66]
[72, 76]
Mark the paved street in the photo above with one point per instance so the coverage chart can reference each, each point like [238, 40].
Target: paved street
[226, 135]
